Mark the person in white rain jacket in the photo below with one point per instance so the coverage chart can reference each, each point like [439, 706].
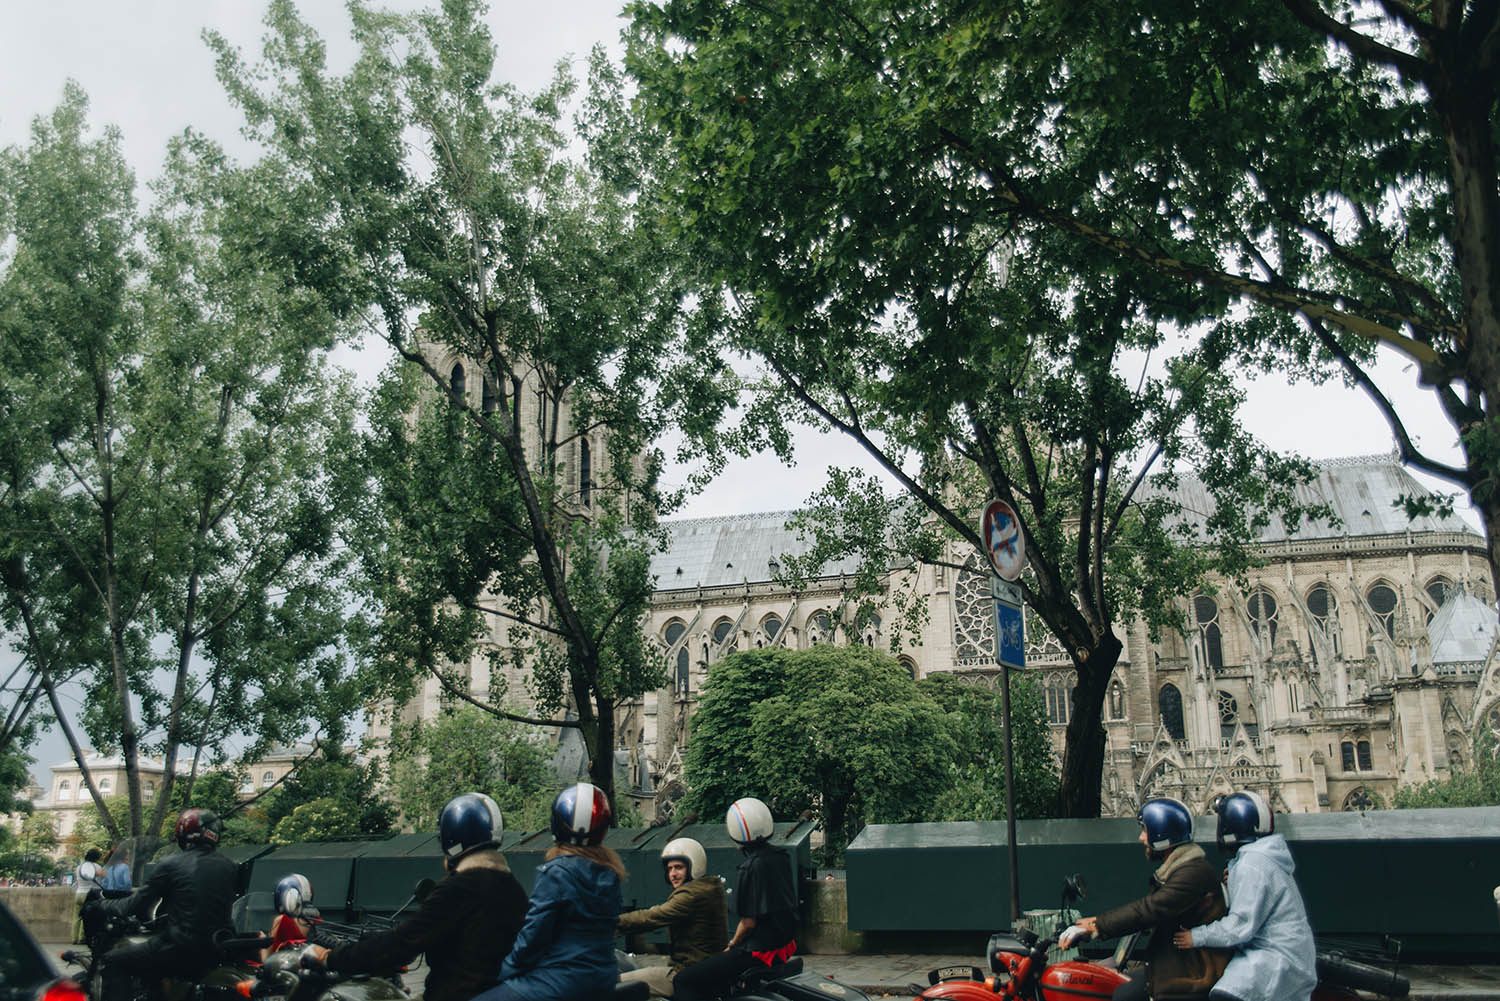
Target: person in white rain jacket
[1274, 959]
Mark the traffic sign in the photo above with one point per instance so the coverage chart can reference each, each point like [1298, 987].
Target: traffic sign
[1000, 529]
[1010, 636]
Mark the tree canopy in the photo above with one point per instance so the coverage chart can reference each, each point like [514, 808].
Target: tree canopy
[972, 352]
[512, 481]
[167, 413]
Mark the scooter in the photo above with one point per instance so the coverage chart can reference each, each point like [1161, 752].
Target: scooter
[782, 982]
[1020, 971]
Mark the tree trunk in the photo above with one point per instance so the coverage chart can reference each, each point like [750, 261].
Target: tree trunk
[602, 761]
[1083, 754]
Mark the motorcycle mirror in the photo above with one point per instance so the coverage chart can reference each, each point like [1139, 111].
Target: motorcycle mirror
[424, 886]
[1074, 888]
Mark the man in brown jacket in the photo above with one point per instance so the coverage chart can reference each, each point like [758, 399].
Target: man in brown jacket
[695, 915]
[1185, 893]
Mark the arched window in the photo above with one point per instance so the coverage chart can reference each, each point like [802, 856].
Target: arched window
[1361, 799]
[1116, 700]
[1058, 690]
[770, 627]
[722, 632]
[1262, 606]
[456, 380]
[1206, 612]
[585, 472]
[1169, 705]
[682, 679]
[910, 665]
[1323, 605]
[1439, 589]
[64, 790]
[106, 786]
[1229, 715]
[1383, 602]
[267, 778]
[674, 632]
[819, 628]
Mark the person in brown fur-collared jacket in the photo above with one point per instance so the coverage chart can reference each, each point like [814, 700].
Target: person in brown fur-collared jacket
[1185, 892]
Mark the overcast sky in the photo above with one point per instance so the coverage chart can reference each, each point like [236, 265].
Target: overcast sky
[147, 71]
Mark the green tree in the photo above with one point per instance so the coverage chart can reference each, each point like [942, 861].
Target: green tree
[969, 355]
[168, 411]
[322, 819]
[1318, 174]
[1477, 784]
[336, 775]
[838, 731]
[512, 477]
[39, 832]
[975, 723]
[466, 749]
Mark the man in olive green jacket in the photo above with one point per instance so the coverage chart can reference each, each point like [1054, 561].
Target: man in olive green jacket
[1185, 893]
[695, 915]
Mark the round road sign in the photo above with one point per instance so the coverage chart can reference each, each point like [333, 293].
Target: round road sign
[1003, 539]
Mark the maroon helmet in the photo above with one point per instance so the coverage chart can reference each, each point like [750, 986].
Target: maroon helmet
[198, 827]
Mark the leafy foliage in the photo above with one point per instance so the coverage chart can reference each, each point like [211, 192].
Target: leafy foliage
[975, 722]
[892, 291]
[167, 411]
[335, 775]
[322, 819]
[536, 310]
[466, 749]
[842, 732]
[1476, 785]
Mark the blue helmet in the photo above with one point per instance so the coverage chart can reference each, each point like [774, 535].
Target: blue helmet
[1167, 824]
[293, 892]
[1243, 817]
[580, 815]
[468, 823]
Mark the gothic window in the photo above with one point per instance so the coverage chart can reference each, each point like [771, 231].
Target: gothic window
[1262, 606]
[910, 665]
[674, 632]
[1169, 705]
[771, 627]
[1383, 602]
[585, 472]
[1229, 709]
[106, 786]
[1206, 612]
[1042, 647]
[1324, 608]
[1362, 755]
[1116, 700]
[819, 628]
[456, 380]
[1346, 755]
[722, 633]
[1439, 589]
[1293, 696]
[870, 624]
[64, 790]
[489, 400]
[682, 677]
[1361, 799]
[1058, 690]
[974, 617]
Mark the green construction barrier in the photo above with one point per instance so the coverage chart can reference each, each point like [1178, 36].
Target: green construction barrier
[1425, 876]
[328, 865]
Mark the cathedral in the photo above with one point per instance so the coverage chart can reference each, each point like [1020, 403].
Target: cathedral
[1361, 657]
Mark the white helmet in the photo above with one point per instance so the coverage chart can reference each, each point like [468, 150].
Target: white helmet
[293, 893]
[689, 851]
[748, 820]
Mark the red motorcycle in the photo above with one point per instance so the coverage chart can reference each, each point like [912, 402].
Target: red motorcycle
[1020, 971]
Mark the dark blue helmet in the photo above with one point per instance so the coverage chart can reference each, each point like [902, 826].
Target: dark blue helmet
[1167, 824]
[1243, 817]
[468, 823]
[580, 815]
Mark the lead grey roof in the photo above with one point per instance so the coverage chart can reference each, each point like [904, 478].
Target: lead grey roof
[1463, 630]
[733, 549]
[1361, 490]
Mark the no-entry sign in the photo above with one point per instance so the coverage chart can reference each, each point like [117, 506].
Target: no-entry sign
[1003, 539]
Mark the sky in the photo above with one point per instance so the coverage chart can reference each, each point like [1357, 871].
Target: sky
[148, 72]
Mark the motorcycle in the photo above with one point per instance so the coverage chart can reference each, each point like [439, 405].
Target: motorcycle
[1020, 971]
[233, 955]
[287, 974]
[782, 982]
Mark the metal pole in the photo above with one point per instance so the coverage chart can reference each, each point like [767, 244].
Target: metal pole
[1010, 777]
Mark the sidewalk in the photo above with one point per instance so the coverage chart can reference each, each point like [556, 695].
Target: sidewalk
[892, 976]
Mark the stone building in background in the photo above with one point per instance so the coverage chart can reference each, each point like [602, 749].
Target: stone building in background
[1361, 656]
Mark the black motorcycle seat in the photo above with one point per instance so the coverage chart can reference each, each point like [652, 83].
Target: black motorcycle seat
[635, 990]
[761, 974]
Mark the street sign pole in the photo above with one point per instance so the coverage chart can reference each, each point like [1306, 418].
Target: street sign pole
[1009, 637]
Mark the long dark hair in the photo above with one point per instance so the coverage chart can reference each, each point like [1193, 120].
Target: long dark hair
[597, 854]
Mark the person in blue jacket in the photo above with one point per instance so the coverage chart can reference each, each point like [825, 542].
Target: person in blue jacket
[565, 950]
[1275, 958]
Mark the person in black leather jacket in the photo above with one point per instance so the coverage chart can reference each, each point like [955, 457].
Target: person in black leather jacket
[465, 926]
[196, 889]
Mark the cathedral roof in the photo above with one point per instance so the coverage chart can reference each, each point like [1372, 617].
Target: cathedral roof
[1361, 490]
[1463, 630]
[734, 549]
